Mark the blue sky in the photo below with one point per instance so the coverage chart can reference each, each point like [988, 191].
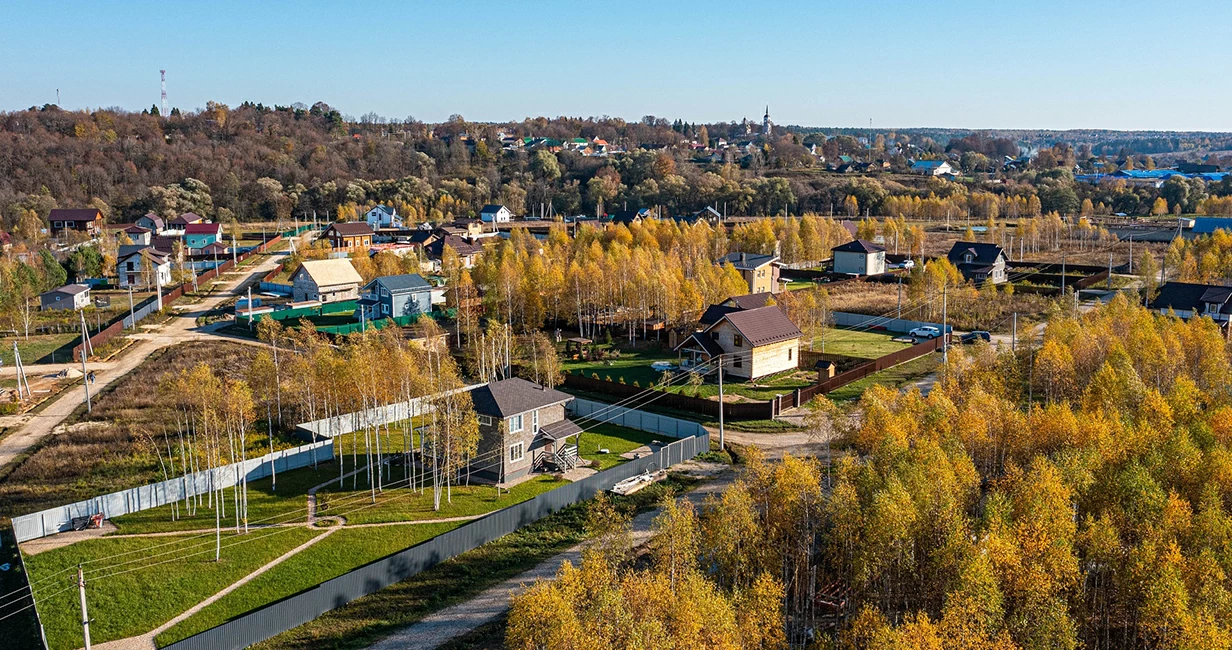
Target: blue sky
[1074, 64]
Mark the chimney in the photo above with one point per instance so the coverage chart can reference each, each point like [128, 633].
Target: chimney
[742, 258]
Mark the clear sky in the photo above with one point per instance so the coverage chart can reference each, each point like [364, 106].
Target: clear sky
[990, 64]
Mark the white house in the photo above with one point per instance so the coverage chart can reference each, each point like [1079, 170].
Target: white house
[143, 267]
[493, 213]
[932, 167]
[383, 216]
[859, 257]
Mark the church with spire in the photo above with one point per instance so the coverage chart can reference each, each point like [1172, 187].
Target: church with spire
[765, 123]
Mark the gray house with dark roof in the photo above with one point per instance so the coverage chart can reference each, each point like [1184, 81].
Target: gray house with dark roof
[859, 257]
[1188, 300]
[979, 262]
[395, 295]
[522, 429]
[760, 271]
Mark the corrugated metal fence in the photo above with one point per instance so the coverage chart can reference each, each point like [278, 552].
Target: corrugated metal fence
[58, 520]
[634, 419]
[286, 614]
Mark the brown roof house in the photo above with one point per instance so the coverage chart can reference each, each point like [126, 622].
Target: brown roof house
[87, 220]
[752, 342]
[349, 236]
[325, 281]
[522, 429]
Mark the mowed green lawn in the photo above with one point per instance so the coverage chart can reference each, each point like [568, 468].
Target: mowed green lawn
[399, 503]
[858, 343]
[632, 366]
[38, 349]
[614, 438]
[343, 551]
[169, 575]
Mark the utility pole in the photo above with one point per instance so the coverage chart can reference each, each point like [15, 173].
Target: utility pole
[250, 308]
[85, 375]
[85, 617]
[945, 328]
[900, 297]
[1014, 336]
[1062, 274]
[1110, 271]
[721, 447]
[21, 373]
[1131, 254]
[132, 314]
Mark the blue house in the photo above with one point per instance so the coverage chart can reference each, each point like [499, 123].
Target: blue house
[395, 295]
[200, 235]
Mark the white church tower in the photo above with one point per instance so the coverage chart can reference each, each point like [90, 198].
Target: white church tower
[765, 122]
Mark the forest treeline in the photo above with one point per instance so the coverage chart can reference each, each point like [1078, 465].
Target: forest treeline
[256, 162]
[1070, 494]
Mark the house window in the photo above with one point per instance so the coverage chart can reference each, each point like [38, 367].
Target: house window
[385, 309]
[738, 341]
[534, 421]
[485, 420]
[515, 424]
[967, 258]
[738, 361]
[789, 353]
[516, 452]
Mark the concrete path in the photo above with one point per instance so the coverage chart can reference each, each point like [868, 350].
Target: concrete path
[179, 328]
[452, 622]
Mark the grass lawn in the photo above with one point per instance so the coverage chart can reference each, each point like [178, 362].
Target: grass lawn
[123, 604]
[800, 284]
[407, 505]
[343, 551]
[616, 439]
[288, 503]
[38, 348]
[894, 377]
[633, 365]
[859, 343]
[361, 622]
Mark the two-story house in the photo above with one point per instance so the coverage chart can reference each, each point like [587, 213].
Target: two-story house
[143, 267]
[200, 235]
[325, 281]
[395, 296]
[522, 429]
[69, 296]
[85, 220]
[859, 257]
[979, 262]
[752, 343]
[351, 236]
[383, 216]
[152, 222]
[760, 271]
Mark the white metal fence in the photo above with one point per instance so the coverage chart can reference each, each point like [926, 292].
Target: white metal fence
[59, 519]
[351, 422]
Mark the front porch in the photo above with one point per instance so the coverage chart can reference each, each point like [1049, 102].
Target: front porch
[552, 451]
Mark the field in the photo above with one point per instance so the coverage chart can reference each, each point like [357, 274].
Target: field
[109, 454]
[120, 595]
[40, 348]
[398, 519]
[895, 377]
[864, 344]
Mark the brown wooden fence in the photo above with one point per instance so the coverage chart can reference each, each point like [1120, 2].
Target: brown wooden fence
[103, 336]
[803, 395]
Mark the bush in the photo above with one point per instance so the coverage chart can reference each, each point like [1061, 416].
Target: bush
[622, 379]
[607, 378]
[594, 375]
[636, 385]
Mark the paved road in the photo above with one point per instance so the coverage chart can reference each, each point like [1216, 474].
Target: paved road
[180, 328]
[452, 622]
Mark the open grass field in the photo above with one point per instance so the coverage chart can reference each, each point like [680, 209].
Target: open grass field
[404, 504]
[39, 348]
[864, 344]
[895, 377]
[632, 366]
[359, 623]
[121, 597]
[343, 551]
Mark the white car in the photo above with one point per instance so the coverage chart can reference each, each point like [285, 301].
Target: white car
[908, 264]
[925, 332]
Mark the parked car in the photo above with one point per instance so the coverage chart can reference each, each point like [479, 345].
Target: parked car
[974, 337]
[905, 264]
[924, 332]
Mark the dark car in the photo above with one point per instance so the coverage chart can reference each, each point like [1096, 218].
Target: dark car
[974, 337]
